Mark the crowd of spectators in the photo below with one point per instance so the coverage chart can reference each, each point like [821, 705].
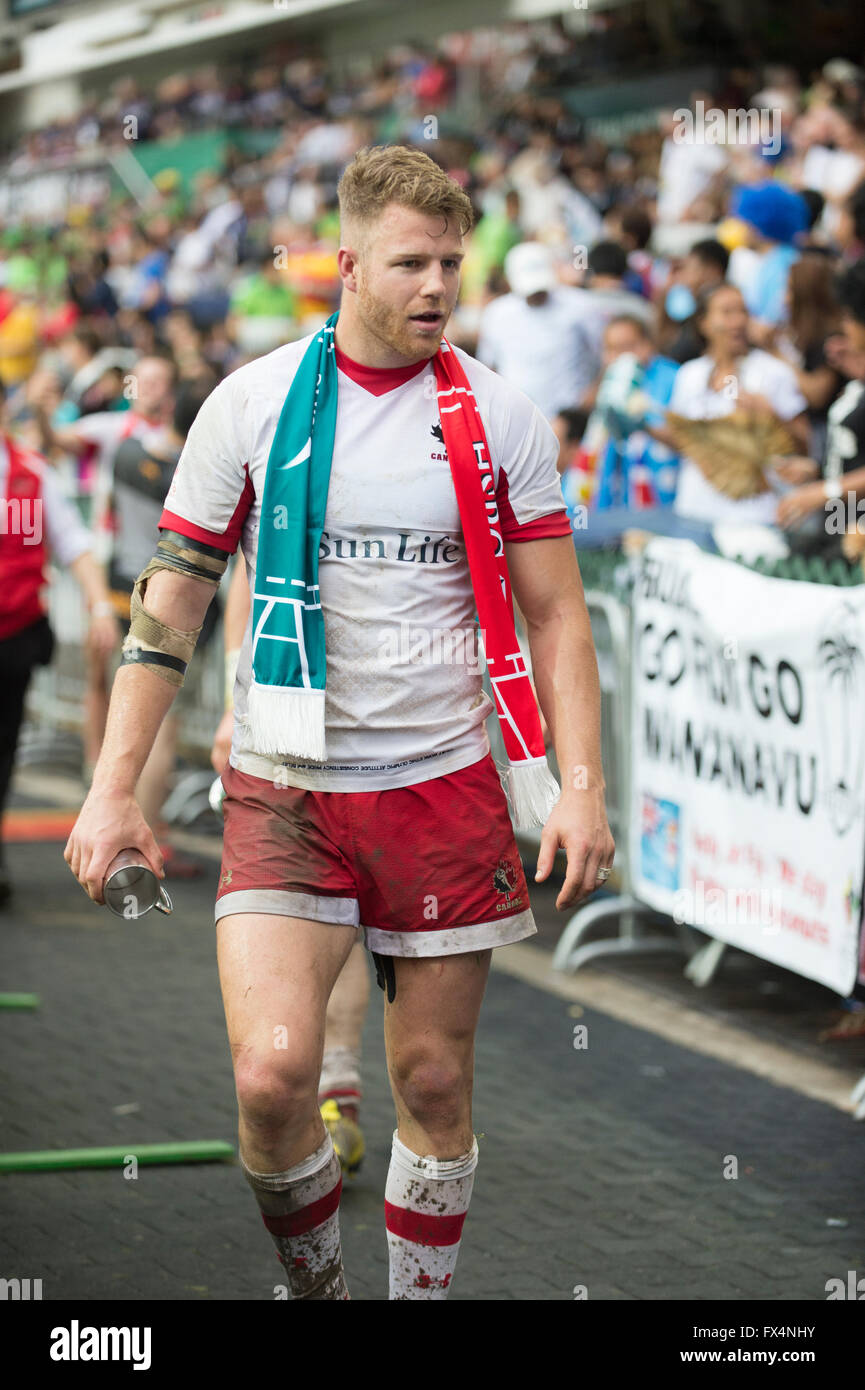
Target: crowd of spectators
[694, 266]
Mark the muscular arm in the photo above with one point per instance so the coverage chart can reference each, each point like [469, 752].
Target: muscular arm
[110, 819]
[140, 699]
[547, 586]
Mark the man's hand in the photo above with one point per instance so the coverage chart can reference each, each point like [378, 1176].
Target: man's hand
[222, 742]
[577, 823]
[107, 823]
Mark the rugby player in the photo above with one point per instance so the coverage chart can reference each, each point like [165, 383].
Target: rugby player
[401, 835]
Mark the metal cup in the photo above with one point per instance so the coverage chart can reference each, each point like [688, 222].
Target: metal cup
[131, 888]
[216, 796]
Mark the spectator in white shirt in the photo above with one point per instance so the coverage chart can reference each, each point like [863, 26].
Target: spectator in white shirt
[730, 375]
[536, 337]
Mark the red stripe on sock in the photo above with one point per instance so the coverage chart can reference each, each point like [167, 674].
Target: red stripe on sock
[421, 1228]
[297, 1223]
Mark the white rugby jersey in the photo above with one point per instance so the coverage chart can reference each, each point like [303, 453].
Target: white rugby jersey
[404, 700]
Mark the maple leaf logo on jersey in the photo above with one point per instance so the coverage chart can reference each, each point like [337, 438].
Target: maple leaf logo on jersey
[438, 435]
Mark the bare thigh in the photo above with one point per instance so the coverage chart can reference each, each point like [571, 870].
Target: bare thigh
[276, 975]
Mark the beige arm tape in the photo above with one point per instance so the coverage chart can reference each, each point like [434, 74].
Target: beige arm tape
[147, 633]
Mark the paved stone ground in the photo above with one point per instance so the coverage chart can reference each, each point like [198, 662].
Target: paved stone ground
[600, 1167]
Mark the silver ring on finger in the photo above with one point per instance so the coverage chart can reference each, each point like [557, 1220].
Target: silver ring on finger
[603, 875]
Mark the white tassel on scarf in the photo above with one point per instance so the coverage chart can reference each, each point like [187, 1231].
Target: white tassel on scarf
[287, 720]
[532, 791]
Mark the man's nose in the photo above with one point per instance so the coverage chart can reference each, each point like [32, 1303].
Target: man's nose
[434, 283]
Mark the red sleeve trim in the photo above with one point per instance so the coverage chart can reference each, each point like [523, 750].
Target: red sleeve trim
[227, 540]
[543, 527]
[553, 524]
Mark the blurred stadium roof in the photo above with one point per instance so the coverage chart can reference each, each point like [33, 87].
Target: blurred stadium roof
[55, 39]
[53, 53]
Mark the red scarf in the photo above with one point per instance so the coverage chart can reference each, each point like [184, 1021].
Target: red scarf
[532, 788]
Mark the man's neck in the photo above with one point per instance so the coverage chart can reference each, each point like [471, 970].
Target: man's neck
[363, 347]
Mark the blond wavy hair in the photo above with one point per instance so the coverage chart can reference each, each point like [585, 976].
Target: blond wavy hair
[382, 174]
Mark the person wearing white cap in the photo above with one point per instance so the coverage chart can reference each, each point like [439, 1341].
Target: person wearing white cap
[535, 336]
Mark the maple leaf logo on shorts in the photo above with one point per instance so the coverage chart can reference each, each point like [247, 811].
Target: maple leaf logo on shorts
[504, 877]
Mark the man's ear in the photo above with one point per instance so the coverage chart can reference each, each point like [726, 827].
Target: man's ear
[348, 262]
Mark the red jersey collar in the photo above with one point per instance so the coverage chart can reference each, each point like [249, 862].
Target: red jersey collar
[377, 380]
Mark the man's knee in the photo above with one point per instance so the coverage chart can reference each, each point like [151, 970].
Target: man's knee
[272, 1091]
[434, 1088]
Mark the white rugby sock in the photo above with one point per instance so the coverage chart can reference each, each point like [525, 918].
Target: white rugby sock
[340, 1077]
[426, 1200]
[300, 1208]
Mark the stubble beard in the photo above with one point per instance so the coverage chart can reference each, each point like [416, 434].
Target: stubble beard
[393, 328]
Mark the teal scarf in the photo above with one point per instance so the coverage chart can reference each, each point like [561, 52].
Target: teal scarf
[286, 697]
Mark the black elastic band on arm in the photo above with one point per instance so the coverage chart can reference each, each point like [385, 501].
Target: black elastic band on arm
[181, 566]
[190, 543]
[155, 659]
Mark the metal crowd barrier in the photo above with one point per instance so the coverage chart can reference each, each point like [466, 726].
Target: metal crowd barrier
[609, 610]
[611, 629]
[606, 574]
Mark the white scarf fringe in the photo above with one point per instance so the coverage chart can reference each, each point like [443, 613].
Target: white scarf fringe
[287, 719]
[532, 791]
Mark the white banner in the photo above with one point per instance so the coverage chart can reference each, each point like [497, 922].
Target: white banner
[748, 746]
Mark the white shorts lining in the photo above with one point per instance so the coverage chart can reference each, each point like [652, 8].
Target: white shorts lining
[448, 941]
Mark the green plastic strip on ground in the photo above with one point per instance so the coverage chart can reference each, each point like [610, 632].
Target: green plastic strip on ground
[193, 1151]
